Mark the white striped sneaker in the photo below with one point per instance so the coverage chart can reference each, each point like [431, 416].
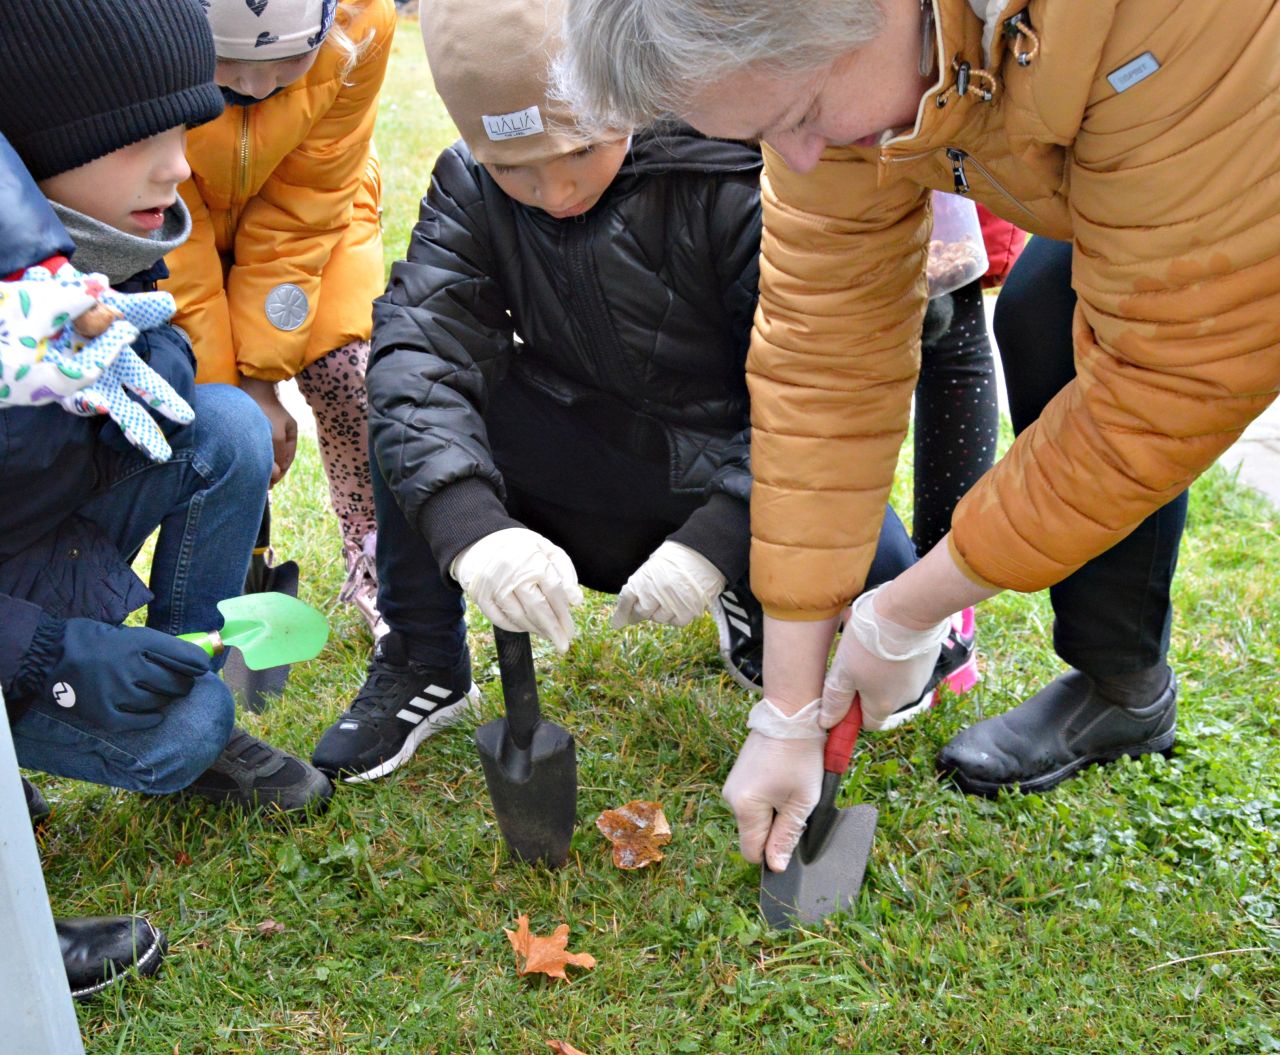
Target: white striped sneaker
[400, 704]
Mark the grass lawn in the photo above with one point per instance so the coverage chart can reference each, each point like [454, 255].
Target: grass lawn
[1133, 910]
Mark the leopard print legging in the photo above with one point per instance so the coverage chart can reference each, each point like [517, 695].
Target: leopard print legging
[334, 389]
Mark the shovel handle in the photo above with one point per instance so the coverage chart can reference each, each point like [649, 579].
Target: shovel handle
[210, 641]
[519, 685]
[842, 739]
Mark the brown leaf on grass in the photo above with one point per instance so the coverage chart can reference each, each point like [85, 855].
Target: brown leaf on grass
[549, 956]
[182, 859]
[636, 831]
[269, 926]
[563, 1047]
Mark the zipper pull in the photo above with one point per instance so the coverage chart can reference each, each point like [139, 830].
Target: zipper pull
[928, 52]
[957, 158]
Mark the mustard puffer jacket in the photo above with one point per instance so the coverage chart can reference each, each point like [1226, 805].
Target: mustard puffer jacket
[285, 254]
[1145, 132]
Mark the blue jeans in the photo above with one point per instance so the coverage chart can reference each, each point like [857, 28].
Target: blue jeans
[207, 502]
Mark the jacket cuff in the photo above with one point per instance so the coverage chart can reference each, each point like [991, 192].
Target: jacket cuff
[459, 514]
[39, 658]
[720, 530]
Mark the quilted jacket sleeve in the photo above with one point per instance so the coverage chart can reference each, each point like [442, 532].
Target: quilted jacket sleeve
[832, 367]
[441, 336]
[290, 228]
[195, 280]
[29, 230]
[1175, 196]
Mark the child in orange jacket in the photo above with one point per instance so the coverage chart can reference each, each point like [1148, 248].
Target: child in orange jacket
[285, 255]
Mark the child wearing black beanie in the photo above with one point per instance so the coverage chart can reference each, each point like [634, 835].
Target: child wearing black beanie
[96, 101]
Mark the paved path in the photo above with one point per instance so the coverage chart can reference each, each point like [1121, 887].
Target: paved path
[1257, 454]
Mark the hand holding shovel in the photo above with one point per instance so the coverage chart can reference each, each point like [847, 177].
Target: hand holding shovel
[825, 872]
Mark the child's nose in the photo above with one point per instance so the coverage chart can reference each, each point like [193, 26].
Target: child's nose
[558, 195]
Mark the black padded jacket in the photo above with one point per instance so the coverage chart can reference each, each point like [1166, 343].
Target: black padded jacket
[637, 316]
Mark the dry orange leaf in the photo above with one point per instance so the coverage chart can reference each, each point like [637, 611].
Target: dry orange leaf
[563, 1047]
[636, 831]
[535, 955]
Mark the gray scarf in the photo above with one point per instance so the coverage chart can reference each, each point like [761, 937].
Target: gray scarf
[120, 256]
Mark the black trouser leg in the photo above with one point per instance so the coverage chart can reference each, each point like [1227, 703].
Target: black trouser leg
[1113, 615]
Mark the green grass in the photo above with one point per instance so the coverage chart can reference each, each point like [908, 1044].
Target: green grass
[1029, 924]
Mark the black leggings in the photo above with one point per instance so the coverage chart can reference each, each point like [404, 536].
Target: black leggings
[1113, 616]
[957, 420]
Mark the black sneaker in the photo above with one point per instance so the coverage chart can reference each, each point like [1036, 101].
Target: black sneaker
[400, 704]
[101, 951]
[37, 807]
[740, 620]
[254, 774]
[956, 670]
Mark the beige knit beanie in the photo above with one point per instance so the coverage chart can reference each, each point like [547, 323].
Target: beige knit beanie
[491, 61]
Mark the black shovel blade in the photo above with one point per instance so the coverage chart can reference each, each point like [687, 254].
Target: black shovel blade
[808, 891]
[534, 790]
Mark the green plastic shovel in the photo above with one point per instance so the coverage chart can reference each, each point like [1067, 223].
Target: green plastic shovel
[269, 629]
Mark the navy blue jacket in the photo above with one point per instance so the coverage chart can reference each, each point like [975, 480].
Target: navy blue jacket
[53, 562]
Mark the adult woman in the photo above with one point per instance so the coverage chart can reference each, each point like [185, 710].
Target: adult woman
[1148, 137]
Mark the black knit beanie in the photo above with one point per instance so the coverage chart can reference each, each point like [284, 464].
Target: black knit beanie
[85, 77]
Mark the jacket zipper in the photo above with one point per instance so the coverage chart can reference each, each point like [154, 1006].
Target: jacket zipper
[958, 158]
[240, 192]
[594, 310]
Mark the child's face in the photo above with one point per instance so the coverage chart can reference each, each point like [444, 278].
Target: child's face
[128, 189]
[262, 77]
[563, 186]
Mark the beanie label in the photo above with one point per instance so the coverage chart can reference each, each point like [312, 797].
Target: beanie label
[517, 125]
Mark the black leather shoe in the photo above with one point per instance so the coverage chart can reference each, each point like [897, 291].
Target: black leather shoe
[101, 951]
[1067, 725]
[36, 805]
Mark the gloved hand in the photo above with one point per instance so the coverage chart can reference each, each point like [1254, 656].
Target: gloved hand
[888, 664]
[674, 586]
[102, 365]
[522, 582]
[776, 781]
[121, 677]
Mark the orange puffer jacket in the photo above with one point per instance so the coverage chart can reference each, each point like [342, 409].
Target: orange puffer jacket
[1145, 132]
[285, 254]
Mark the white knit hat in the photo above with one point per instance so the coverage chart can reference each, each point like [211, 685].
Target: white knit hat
[268, 29]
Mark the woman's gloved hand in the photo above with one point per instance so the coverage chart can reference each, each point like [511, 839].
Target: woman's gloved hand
[521, 581]
[888, 664]
[118, 677]
[674, 586]
[776, 781]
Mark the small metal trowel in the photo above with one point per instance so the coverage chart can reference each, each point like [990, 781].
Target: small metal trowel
[530, 764]
[825, 873]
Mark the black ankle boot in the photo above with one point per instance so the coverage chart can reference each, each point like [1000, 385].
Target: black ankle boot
[36, 805]
[101, 951]
[1073, 722]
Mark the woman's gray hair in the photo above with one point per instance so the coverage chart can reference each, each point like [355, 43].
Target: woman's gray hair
[628, 62]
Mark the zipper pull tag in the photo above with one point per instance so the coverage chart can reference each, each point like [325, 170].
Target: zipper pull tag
[928, 52]
[957, 170]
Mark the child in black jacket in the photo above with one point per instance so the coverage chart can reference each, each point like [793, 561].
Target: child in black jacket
[557, 390]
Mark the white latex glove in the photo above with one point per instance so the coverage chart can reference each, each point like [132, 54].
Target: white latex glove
[522, 582]
[776, 781]
[887, 663]
[674, 586]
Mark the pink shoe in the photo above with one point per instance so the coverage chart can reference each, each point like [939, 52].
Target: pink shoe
[957, 671]
[361, 587]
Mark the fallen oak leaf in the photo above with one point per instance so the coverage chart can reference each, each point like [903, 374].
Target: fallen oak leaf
[637, 830]
[563, 1047]
[540, 955]
[269, 926]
